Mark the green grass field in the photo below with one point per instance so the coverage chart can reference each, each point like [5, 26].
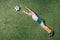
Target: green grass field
[19, 26]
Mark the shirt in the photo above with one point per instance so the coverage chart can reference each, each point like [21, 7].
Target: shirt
[34, 17]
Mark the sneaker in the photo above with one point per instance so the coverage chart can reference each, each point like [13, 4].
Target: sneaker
[51, 34]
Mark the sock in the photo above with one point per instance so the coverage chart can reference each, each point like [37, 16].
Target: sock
[48, 29]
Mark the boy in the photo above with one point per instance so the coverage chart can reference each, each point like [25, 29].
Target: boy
[39, 20]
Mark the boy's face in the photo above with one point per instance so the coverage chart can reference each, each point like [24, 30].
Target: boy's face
[30, 14]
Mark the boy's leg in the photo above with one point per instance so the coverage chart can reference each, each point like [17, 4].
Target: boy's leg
[50, 32]
[45, 27]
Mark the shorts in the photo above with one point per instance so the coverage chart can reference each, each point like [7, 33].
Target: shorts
[39, 20]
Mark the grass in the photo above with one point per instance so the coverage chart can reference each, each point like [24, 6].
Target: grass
[18, 26]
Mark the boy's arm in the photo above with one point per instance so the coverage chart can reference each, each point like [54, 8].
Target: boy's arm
[28, 13]
[25, 12]
[29, 9]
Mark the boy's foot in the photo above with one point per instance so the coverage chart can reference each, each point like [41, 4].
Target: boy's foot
[51, 34]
